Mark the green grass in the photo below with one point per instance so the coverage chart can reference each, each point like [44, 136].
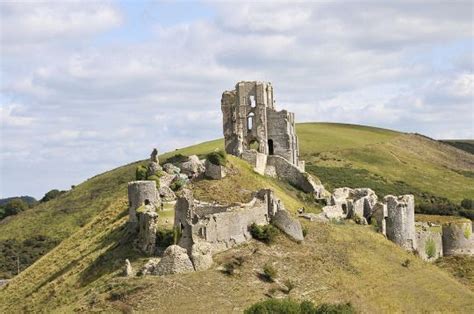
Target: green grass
[80, 273]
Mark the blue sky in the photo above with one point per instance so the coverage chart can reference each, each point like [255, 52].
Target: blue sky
[88, 86]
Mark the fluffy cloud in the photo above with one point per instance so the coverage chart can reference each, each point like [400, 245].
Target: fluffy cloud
[94, 96]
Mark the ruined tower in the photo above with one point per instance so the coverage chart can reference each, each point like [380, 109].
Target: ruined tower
[251, 122]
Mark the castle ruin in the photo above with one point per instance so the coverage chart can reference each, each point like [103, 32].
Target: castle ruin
[251, 121]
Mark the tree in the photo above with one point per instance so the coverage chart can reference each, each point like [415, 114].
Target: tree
[51, 195]
[15, 206]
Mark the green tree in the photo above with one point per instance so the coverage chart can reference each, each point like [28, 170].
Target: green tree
[51, 195]
[15, 206]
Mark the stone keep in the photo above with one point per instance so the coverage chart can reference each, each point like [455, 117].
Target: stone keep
[251, 121]
[400, 222]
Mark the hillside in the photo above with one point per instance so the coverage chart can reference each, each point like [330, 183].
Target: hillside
[80, 273]
[466, 145]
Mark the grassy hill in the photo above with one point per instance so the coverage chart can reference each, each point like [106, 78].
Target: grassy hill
[80, 273]
[466, 145]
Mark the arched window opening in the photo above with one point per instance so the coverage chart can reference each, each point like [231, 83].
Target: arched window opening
[253, 104]
[270, 147]
[250, 121]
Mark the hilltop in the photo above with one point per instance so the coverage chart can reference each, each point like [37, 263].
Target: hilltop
[81, 272]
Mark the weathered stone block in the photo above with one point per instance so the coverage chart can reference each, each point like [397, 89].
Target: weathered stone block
[201, 256]
[292, 227]
[215, 172]
[256, 159]
[429, 241]
[175, 260]
[458, 238]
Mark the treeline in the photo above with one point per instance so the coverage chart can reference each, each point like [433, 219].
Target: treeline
[14, 205]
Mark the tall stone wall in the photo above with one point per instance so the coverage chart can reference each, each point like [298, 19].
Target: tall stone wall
[458, 238]
[401, 220]
[251, 121]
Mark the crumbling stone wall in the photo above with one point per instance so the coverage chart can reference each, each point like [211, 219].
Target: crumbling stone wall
[226, 226]
[141, 193]
[458, 238]
[250, 120]
[429, 241]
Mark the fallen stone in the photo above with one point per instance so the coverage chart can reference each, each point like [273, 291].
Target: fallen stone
[174, 261]
[167, 194]
[128, 270]
[193, 167]
[201, 256]
[292, 227]
[149, 267]
[334, 212]
[171, 169]
[321, 217]
[215, 172]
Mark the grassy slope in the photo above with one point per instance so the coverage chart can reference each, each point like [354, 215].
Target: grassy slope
[102, 199]
[466, 145]
[82, 272]
[393, 158]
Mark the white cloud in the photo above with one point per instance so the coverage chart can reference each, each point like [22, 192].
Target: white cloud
[104, 103]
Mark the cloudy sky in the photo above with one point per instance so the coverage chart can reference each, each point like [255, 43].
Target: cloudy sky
[88, 86]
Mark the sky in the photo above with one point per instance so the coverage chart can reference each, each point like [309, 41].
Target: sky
[88, 86]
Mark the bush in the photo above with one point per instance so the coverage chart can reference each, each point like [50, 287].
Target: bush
[164, 238]
[176, 159]
[467, 203]
[269, 273]
[218, 158]
[293, 307]
[406, 263]
[156, 179]
[266, 233]
[51, 195]
[140, 173]
[290, 285]
[177, 184]
[15, 206]
[430, 248]
[467, 213]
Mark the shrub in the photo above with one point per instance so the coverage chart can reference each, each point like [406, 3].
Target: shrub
[14, 207]
[467, 203]
[229, 268]
[266, 233]
[430, 248]
[218, 158]
[290, 285]
[467, 213]
[269, 273]
[176, 159]
[156, 179]
[305, 232]
[467, 232]
[51, 195]
[164, 238]
[406, 263]
[140, 173]
[293, 307]
[177, 184]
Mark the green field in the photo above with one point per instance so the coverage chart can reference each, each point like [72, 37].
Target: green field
[80, 273]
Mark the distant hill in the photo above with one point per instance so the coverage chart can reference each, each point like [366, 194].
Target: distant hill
[465, 145]
[30, 200]
[80, 273]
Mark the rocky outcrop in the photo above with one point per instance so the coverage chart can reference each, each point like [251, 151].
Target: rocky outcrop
[154, 164]
[175, 260]
[215, 172]
[334, 212]
[291, 227]
[201, 256]
[149, 267]
[193, 167]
